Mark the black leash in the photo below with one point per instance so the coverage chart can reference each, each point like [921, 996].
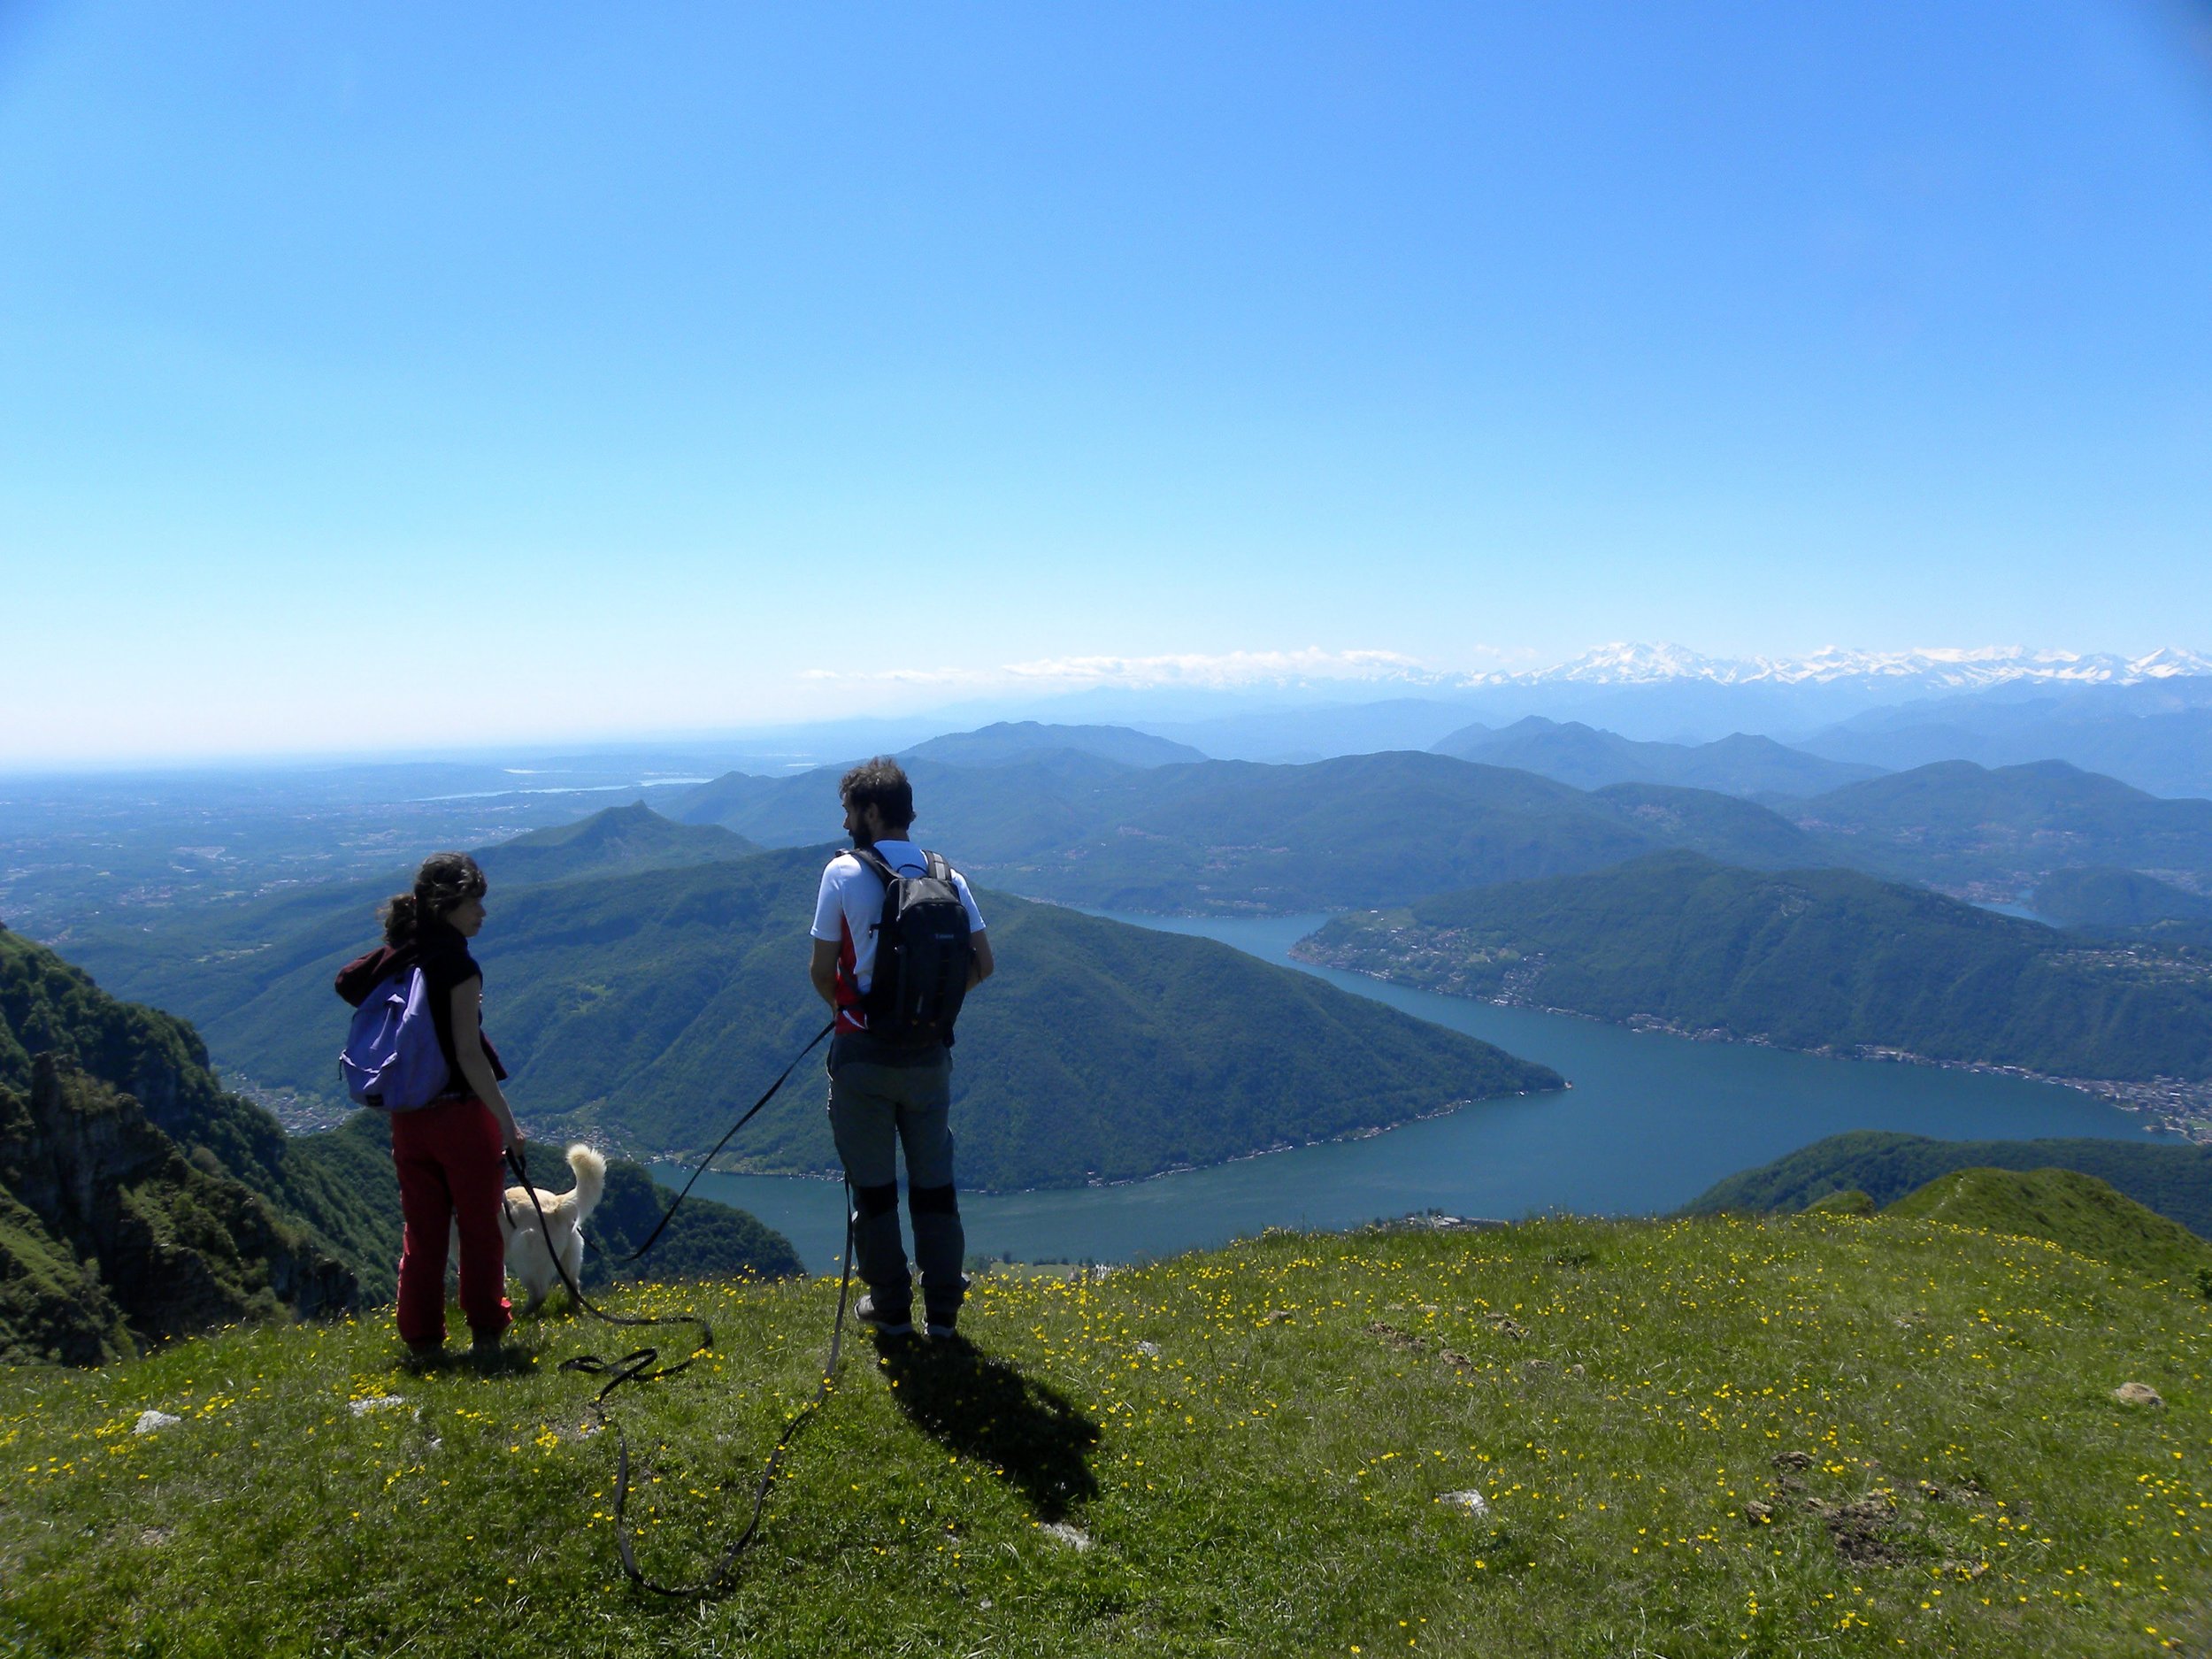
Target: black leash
[643, 1365]
[782, 1078]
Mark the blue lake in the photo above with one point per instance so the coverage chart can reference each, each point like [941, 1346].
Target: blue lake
[1650, 1122]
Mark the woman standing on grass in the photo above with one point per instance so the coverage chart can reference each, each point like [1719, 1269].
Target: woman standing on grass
[448, 1153]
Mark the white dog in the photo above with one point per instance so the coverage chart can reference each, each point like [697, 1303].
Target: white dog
[528, 1258]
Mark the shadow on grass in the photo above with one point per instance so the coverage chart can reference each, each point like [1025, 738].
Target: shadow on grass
[978, 1405]
[513, 1358]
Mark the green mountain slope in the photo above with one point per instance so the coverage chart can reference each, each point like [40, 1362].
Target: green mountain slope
[2098, 895]
[107, 1225]
[1243, 838]
[53, 1306]
[1958, 824]
[49, 1005]
[1589, 758]
[1571, 1439]
[2079, 1211]
[1822, 959]
[622, 838]
[2172, 1179]
[651, 1008]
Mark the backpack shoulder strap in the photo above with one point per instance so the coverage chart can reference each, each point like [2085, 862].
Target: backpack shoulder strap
[871, 859]
[938, 868]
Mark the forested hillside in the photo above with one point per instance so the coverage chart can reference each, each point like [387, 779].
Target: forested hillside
[111, 1238]
[2098, 895]
[1242, 837]
[138, 1200]
[48, 1005]
[621, 838]
[1824, 959]
[1954, 822]
[650, 1008]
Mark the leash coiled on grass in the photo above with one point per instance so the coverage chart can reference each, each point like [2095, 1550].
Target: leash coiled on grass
[643, 1365]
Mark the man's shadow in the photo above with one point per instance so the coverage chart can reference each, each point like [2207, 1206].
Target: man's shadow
[975, 1403]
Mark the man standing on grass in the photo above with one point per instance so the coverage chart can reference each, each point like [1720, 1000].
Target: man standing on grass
[898, 943]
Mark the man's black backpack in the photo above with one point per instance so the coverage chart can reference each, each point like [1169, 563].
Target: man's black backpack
[923, 953]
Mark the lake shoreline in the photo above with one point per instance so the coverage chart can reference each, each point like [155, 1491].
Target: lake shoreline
[2174, 1104]
[1649, 1123]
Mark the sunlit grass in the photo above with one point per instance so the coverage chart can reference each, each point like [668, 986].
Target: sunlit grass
[1814, 1436]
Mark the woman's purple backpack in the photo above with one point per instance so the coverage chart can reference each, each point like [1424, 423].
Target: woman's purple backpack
[391, 1060]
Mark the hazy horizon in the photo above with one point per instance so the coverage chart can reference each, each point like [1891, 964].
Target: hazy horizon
[1186, 693]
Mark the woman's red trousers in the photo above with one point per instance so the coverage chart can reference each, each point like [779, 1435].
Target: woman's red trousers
[450, 1177]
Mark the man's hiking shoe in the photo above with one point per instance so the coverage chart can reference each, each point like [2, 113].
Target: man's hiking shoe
[879, 1319]
[941, 1307]
[423, 1355]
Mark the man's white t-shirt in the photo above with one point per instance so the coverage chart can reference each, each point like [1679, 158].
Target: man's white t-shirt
[850, 906]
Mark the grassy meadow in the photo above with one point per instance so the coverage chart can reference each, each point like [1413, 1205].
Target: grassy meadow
[1713, 1436]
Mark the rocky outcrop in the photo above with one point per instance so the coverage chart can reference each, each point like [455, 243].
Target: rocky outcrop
[172, 1243]
[50, 1006]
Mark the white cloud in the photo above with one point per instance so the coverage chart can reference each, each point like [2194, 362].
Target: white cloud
[1210, 671]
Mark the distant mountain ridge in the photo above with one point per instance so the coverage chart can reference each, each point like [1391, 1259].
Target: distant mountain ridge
[1013, 740]
[2155, 735]
[1574, 753]
[1240, 837]
[1954, 823]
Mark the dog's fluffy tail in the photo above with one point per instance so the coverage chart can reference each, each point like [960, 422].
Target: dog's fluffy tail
[591, 1179]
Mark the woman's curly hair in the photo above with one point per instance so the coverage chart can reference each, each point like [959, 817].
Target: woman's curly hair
[444, 881]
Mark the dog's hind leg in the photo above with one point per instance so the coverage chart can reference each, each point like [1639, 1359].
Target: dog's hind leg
[572, 1258]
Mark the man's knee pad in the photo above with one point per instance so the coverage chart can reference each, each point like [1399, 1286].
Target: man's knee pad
[933, 1200]
[870, 1202]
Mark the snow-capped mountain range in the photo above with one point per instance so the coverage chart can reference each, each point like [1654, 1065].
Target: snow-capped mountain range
[1937, 670]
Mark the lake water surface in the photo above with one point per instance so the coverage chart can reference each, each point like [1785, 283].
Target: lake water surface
[1651, 1121]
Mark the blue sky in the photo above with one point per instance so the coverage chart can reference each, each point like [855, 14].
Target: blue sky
[549, 371]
